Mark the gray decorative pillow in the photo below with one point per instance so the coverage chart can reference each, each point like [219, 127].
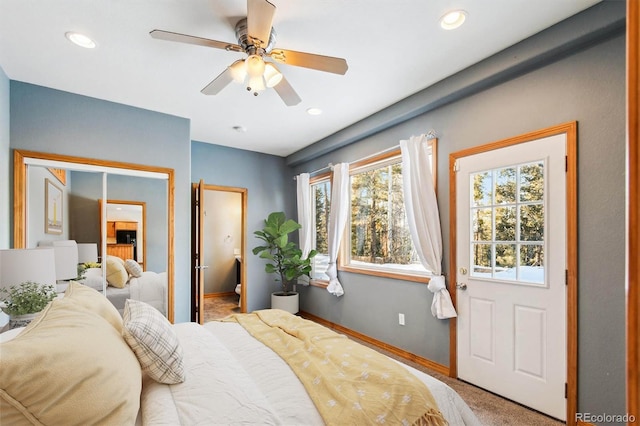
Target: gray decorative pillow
[154, 342]
[133, 268]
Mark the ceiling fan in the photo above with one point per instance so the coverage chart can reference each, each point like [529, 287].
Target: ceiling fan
[256, 37]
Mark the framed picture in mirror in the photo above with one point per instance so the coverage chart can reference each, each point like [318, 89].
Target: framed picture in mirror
[53, 208]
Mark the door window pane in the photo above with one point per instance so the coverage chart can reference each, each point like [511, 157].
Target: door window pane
[532, 263]
[532, 222]
[532, 181]
[505, 223]
[482, 255]
[482, 224]
[482, 184]
[506, 185]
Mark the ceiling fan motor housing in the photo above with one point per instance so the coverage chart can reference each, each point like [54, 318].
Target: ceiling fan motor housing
[250, 45]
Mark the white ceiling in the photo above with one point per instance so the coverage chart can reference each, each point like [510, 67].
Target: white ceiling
[393, 48]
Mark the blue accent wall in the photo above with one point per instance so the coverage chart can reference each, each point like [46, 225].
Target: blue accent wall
[270, 187]
[48, 120]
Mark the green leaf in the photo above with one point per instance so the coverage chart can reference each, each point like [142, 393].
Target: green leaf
[269, 268]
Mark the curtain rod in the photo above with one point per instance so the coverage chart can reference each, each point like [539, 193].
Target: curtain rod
[431, 134]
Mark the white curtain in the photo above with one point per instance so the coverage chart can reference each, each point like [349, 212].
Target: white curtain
[424, 220]
[303, 191]
[337, 221]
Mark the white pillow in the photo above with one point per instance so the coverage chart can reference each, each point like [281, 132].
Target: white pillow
[152, 339]
[117, 275]
[133, 268]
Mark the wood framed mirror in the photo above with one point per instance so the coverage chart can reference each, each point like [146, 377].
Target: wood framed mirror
[112, 170]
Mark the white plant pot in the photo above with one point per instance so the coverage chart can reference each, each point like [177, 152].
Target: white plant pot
[287, 302]
[21, 320]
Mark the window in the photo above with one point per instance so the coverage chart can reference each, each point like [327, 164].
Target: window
[321, 199]
[378, 241]
[507, 228]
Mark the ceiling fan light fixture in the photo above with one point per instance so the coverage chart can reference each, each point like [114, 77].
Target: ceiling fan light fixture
[271, 75]
[453, 19]
[256, 84]
[238, 71]
[255, 66]
[80, 39]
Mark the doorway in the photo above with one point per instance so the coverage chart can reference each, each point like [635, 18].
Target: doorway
[219, 225]
[514, 262]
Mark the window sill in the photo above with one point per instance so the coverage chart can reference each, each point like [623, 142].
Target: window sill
[386, 274]
[319, 283]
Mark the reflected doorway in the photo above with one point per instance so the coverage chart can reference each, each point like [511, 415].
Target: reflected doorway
[219, 218]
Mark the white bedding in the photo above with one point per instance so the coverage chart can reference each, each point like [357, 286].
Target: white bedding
[234, 379]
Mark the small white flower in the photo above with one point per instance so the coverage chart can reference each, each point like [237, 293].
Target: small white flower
[381, 418]
[361, 392]
[406, 399]
[357, 406]
[365, 375]
[305, 364]
[386, 395]
[316, 380]
[332, 403]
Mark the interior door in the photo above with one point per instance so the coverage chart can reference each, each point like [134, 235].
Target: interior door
[197, 271]
[511, 245]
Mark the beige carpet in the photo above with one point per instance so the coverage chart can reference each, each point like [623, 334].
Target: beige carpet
[491, 409]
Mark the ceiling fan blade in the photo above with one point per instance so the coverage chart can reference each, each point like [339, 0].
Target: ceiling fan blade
[199, 41]
[310, 60]
[286, 93]
[218, 83]
[259, 20]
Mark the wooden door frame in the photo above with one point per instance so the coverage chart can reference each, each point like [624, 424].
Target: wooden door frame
[570, 129]
[243, 223]
[633, 210]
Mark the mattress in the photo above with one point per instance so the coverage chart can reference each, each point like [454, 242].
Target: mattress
[234, 379]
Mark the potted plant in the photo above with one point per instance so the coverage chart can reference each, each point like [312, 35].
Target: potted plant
[24, 301]
[284, 259]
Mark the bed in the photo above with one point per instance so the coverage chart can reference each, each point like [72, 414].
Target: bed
[77, 364]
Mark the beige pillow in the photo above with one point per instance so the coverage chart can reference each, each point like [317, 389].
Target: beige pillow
[95, 302]
[117, 275]
[154, 342]
[133, 268]
[69, 367]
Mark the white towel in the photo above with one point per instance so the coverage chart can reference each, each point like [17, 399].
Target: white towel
[441, 307]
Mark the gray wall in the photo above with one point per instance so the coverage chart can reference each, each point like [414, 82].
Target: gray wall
[49, 120]
[5, 161]
[589, 87]
[269, 188]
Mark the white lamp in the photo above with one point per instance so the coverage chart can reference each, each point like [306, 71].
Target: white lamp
[66, 258]
[87, 252]
[21, 265]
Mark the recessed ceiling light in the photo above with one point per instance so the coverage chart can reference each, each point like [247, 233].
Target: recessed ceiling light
[314, 111]
[452, 20]
[80, 40]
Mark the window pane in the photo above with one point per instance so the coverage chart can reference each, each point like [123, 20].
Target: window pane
[532, 263]
[482, 184]
[379, 231]
[481, 223]
[481, 260]
[505, 223]
[532, 182]
[505, 261]
[506, 185]
[321, 193]
[532, 222]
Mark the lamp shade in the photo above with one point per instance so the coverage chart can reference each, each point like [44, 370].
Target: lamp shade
[66, 257]
[21, 265]
[87, 252]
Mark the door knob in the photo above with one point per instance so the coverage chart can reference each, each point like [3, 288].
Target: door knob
[462, 286]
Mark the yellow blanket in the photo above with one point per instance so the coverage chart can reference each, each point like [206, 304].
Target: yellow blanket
[348, 383]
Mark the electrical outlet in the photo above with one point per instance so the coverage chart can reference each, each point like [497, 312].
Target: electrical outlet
[401, 319]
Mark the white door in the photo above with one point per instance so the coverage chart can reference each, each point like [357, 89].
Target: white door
[511, 262]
